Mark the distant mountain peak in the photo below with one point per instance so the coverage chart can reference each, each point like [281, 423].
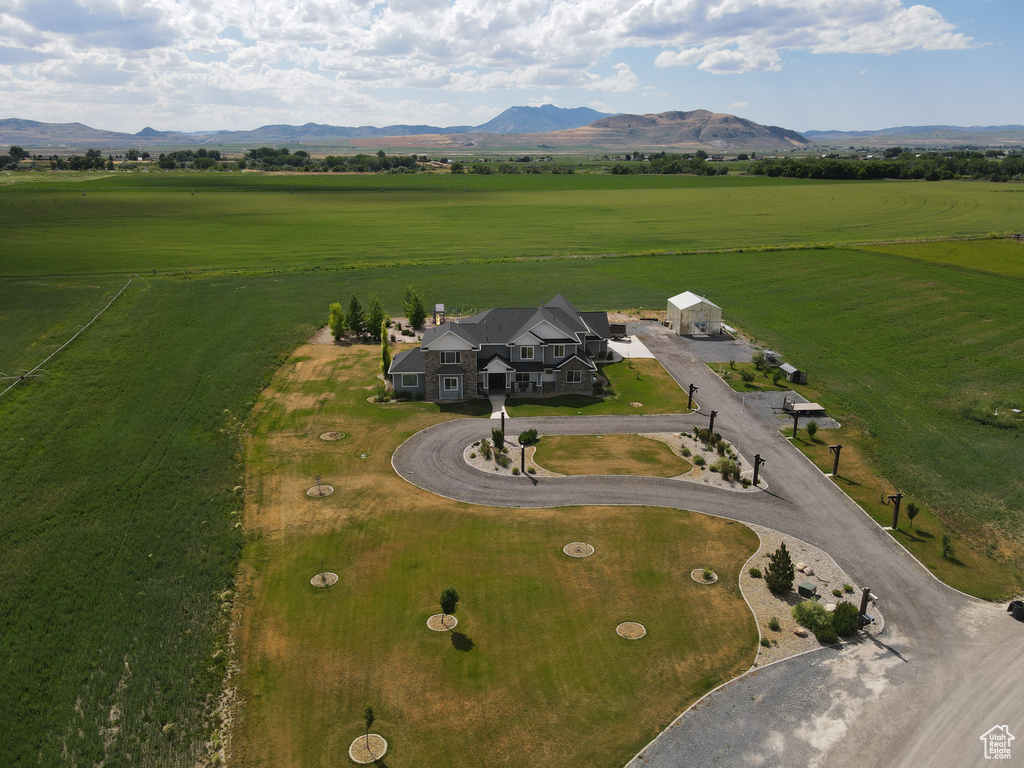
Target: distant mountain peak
[544, 119]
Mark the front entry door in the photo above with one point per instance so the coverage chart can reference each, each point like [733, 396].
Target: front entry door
[495, 382]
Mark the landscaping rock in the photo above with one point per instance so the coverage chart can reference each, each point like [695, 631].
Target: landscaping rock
[800, 567]
[808, 570]
[801, 632]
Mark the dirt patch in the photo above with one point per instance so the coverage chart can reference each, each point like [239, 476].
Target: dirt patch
[330, 437]
[368, 749]
[631, 630]
[578, 549]
[441, 623]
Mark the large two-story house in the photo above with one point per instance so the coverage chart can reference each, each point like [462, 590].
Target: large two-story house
[520, 350]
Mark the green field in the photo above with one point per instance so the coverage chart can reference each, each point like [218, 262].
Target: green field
[237, 221]
[130, 446]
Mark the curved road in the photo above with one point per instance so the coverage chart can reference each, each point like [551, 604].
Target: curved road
[946, 670]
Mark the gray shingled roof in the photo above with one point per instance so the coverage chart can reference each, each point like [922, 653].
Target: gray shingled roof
[408, 361]
[503, 324]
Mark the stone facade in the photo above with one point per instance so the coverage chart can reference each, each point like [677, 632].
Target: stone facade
[432, 366]
[584, 387]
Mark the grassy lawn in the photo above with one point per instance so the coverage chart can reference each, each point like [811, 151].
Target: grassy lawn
[534, 673]
[642, 381]
[609, 455]
[733, 376]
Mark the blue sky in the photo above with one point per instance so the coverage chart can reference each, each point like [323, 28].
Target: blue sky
[238, 64]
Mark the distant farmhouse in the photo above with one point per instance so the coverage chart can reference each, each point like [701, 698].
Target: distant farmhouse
[522, 350]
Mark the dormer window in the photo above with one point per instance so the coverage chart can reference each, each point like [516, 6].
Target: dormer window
[526, 353]
[451, 358]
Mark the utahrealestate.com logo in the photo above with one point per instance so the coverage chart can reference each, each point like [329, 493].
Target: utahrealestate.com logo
[997, 742]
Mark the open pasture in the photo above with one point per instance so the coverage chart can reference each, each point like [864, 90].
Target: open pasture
[119, 453]
[227, 222]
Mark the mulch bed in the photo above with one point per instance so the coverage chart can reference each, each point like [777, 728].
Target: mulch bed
[631, 630]
[332, 436]
[324, 579]
[319, 491]
[697, 574]
[435, 622]
[359, 752]
[578, 549]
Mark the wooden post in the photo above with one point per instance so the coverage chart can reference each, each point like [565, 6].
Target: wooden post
[503, 420]
[711, 426]
[758, 461]
[865, 596]
[835, 464]
[895, 498]
[796, 424]
[689, 400]
[522, 459]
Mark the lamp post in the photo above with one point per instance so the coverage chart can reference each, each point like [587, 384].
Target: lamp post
[689, 400]
[711, 426]
[796, 424]
[835, 464]
[864, 597]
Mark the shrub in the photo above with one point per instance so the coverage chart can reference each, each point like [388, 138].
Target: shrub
[779, 574]
[505, 461]
[812, 428]
[745, 481]
[758, 360]
[826, 634]
[515, 470]
[947, 547]
[766, 642]
[472, 455]
[755, 573]
[498, 438]
[699, 461]
[773, 624]
[485, 448]
[747, 375]
[529, 437]
[707, 574]
[844, 619]
[720, 446]
[732, 364]
[837, 592]
[776, 376]
[811, 614]
[848, 588]
[687, 453]
[531, 470]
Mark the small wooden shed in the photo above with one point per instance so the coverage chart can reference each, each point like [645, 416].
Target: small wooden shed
[793, 373]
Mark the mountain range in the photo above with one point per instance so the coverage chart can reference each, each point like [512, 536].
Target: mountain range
[526, 128]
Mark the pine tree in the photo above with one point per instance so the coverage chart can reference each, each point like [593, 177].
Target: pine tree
[356, 317]
[385, 349]
[376, 318]
[416, 313]
[779, 574]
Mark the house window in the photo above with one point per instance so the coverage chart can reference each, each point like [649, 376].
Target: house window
[451, 358]
[522, 377]
[410, 380]
[526, 353]
[549, 371]
[451, 383]
[574, 377]
[559, 350]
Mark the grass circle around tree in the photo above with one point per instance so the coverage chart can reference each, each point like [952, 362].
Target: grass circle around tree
[578, 549]
[703, 575]
[363, 754]
[631, 630]
[440, 622]
[319, 491]
[324, 579]
[330, 436]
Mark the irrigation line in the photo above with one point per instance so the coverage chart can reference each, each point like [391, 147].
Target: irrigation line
[80, 331]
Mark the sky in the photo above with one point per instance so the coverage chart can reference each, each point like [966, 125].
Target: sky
[193, 65]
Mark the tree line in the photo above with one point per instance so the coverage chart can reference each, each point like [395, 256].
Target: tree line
[897, 163]
[372, 321]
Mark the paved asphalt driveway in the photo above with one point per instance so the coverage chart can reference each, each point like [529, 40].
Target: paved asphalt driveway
[945, 670]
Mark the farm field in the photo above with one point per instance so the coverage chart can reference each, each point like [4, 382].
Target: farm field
[534, 673]
[184, 222]
[118, 453]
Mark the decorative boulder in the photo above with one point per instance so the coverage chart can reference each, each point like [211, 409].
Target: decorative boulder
[800, 566]
[808, 570]
[801, 632]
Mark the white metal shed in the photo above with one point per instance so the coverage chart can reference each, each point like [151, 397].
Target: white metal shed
[692, 314]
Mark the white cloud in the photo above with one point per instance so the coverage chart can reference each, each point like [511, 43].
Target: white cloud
[300, 57]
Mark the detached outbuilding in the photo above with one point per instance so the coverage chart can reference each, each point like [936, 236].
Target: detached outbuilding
[691, 314]
[793, 374]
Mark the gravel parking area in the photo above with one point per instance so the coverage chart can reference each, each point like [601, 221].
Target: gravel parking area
[767, 406]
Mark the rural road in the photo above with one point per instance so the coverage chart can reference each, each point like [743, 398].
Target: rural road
[946, 669]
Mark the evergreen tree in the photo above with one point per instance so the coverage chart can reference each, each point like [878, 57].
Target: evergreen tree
[336, 321]
[376, 319]
[385, 349]
[356, 317]
[779, 574]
